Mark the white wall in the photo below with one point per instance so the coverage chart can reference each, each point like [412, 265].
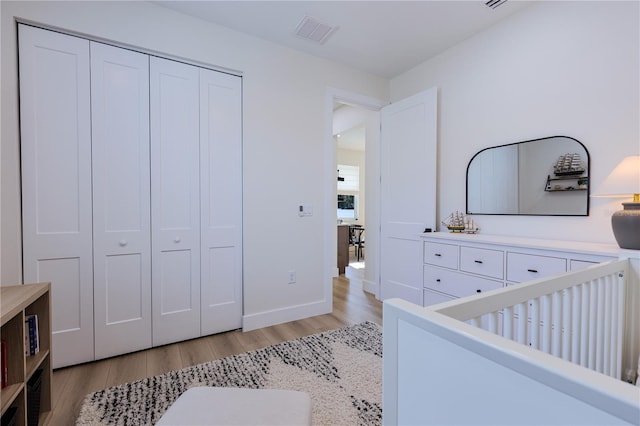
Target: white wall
[284, 136]
[555, 68]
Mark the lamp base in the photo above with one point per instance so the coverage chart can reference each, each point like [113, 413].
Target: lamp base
[626, 226]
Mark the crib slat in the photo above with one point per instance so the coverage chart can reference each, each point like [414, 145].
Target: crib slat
[535, 323]
[607, 324]
[523, 319]
[556, 324]
[621, 291]
[576, 304]
[584, 324]
[493, 322]
[613, 353]
[593, 330]
[566, 324]
[546, 324]
[600, 327]
[507, 320]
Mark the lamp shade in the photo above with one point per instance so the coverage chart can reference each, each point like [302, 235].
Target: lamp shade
[623, 181]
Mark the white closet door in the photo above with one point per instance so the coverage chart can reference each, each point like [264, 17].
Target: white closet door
[175, 205]
[221, 201]
[121, 200]
[56, 183]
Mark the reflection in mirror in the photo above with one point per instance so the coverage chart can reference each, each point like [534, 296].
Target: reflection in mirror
[548, 176]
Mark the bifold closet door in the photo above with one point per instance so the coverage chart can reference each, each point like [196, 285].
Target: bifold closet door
[121, 200]
[221, 201]
[56, 183]
[175, 201]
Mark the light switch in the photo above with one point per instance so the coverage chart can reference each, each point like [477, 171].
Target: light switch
[305, 210]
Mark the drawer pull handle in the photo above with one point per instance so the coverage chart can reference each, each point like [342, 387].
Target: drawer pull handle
[478, 261]
[438, 255]
[535, 271]
[478, 291]
[438, 280]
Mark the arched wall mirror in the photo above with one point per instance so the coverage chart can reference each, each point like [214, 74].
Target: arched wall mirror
[545, 177]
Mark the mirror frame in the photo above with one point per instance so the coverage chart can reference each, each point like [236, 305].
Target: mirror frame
[588, 172]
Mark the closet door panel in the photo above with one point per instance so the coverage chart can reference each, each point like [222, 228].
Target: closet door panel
[121, 199]
[221, 201]
[175, 281]
[56, 183]
[175, 198]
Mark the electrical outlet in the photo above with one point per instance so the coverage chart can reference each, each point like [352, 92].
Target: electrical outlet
[292, 277]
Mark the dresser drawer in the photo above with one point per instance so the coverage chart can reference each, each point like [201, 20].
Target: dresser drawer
[433, 298]
[489, 263]
[445, 255]
[525, 267]
[455, 283]
[574, 265]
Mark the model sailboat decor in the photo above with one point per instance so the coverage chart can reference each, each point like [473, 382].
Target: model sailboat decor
[458, 222]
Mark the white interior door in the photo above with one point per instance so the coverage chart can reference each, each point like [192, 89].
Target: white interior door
[175, 205]
[221, 201]
[121, 200]
[56, 183]
[408, 192]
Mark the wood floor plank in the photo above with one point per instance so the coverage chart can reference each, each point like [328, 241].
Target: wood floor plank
[277, 334]
[325, 322]
[195, 351]
[127, 368]
[224, 344]
[59, 381]
[163, 359]
[82, 380]
[303, 327]
[70, 385]
[252, 340]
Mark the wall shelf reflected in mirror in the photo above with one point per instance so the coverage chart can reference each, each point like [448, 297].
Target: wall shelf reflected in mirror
[540, 177]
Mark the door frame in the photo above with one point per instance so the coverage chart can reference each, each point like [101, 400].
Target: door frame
[330, 235]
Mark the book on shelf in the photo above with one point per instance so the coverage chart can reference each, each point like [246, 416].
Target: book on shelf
[4, 368]
[31, 335]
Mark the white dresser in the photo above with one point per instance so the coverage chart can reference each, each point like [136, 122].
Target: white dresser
[458, 265]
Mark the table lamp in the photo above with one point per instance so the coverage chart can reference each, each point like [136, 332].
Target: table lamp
[624, 182]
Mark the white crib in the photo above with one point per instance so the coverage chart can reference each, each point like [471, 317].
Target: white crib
[545, 352]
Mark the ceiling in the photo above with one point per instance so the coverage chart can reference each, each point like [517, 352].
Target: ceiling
[352, 139]
[384, 38]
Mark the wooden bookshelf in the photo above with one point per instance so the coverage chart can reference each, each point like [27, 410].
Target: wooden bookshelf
[16, 302]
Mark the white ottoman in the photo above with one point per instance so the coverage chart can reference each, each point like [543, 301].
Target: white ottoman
[238, 406]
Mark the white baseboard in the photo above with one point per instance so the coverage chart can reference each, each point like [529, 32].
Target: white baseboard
[355, 276]
[290, 313]
[371, 287]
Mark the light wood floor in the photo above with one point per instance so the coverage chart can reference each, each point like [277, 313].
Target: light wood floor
[72, 384]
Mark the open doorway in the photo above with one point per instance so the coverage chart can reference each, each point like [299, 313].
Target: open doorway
[361, 109]
[356, 187]
[350, 141]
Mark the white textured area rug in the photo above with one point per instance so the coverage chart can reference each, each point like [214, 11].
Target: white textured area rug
[341, 370]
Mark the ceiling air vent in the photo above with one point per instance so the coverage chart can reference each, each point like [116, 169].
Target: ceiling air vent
[311, 29]
[495, 3]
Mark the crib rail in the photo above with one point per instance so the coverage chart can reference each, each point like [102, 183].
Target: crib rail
[577, 316]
